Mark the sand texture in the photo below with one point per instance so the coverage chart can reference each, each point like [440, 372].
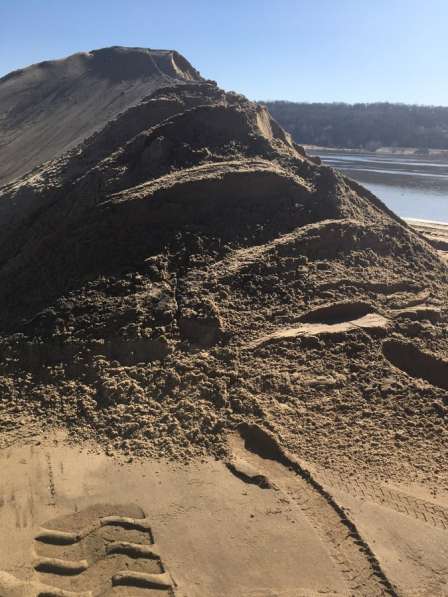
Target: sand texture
[49, 107]
[186, 284]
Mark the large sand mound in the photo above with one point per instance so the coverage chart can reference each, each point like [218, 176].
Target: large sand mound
[49, 107]
[188, 268]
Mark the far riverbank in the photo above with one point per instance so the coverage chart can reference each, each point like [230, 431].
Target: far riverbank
[435, 232]
[413, 186]
[441, 154]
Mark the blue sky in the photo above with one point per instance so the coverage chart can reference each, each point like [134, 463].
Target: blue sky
[302, 50]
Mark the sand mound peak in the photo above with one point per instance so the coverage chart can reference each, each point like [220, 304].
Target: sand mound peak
[49, 107]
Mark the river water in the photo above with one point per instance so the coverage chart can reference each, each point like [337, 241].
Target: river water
[412, 186]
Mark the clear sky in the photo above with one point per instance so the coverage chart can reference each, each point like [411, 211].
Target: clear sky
[302, 50]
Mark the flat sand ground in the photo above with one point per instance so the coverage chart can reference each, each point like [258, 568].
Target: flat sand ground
[249, 527]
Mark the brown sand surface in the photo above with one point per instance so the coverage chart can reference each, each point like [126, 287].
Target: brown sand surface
[253, 525]
[216, 534]
[256, 343]
[49, 107]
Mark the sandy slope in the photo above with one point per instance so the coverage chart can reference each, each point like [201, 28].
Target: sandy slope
[49, 107]
[159, 285]
[188, 284]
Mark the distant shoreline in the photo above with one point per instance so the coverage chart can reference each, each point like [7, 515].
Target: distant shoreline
[436, 233]
[416, 221]
[400, 151]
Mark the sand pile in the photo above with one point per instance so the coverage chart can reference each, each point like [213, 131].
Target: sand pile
[188, 268]
[49, 107]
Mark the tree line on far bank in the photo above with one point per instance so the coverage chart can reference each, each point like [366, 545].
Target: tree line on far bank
[363, 126]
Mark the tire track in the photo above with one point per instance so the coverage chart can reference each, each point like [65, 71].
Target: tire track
[93, 551]
[51, 484]
[408, 505]
[351, 554]
[62, 537]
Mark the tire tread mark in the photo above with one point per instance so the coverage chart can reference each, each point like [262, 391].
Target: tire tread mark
[353, 556]
[59, 537]
[417, 508]
[63, 567]
[140, 579]
[57, 566]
